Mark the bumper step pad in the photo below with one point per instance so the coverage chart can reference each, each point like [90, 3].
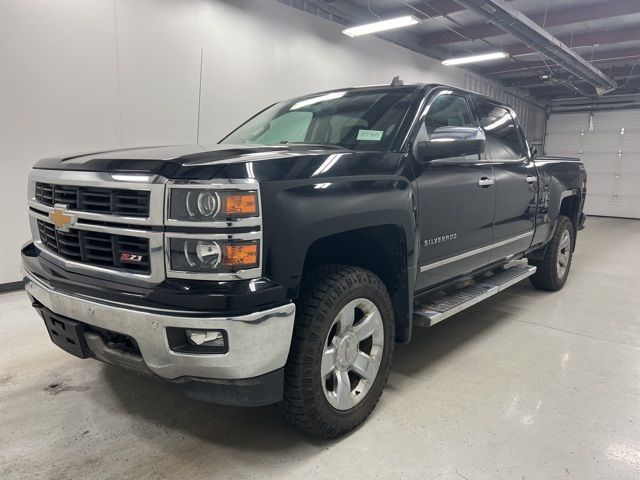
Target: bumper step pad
[428, 314]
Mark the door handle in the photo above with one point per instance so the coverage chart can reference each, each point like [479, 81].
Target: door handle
[485, 182]
[531, 178]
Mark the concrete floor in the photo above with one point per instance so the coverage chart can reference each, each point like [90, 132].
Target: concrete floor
[527, 385]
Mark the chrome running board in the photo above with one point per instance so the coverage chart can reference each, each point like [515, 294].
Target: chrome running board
[428, 314]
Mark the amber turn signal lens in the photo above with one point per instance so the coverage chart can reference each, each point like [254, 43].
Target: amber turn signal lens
[243, 204]
[241, 255]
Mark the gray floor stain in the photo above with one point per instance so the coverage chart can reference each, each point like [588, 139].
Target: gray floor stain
[59, 387]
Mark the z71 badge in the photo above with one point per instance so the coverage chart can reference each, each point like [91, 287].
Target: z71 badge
[436, 240]
[130, 257]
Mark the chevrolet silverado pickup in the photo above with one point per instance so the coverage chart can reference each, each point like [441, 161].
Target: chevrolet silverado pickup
[281, 265]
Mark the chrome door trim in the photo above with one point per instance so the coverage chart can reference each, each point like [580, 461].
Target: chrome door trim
[471, 253]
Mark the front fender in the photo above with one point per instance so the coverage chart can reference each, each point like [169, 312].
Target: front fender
[300, 213]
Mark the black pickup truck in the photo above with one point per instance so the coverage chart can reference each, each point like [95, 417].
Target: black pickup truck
[283, 263]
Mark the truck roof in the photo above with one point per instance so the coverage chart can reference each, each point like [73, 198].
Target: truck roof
[407, 87]
[387, 87]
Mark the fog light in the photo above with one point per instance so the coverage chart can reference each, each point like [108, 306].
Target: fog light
[209, 338]
[195, 341]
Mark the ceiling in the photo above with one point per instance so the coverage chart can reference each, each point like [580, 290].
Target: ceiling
[606, 33]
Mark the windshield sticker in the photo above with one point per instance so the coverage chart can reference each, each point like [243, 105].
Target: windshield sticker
[373, 135]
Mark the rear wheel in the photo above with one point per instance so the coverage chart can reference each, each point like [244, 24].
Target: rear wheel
[553, 269]
[341, 351]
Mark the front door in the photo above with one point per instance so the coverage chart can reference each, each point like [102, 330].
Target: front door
[516, 180]
[455, 201]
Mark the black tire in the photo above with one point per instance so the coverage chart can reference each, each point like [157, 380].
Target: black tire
[325, 292]
[548, 276]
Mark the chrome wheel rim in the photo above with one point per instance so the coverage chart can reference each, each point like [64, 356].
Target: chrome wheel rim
[352, 354]
[564, 253]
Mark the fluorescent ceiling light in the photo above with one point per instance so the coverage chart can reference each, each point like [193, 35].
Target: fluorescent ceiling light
[381, 26]
[474, 58]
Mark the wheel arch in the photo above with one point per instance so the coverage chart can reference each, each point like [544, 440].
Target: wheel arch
[569, 206]
[382, 249]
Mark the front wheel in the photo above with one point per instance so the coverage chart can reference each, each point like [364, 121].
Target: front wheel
[554, 268]
[341, 351]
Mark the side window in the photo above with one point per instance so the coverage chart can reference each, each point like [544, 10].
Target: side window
[501, 131]
[447, 110]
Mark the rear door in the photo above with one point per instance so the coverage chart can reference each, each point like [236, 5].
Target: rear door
[456, 200]
[516, 178]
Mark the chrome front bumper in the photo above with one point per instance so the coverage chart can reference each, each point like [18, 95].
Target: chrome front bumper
[258, 342]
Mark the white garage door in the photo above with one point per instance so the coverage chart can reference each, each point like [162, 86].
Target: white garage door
[611, 154]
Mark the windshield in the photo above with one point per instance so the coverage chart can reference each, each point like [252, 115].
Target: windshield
[356, 119]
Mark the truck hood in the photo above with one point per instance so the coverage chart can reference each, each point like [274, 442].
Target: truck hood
[178, 161]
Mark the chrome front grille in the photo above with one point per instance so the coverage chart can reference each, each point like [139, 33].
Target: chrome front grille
[97, 200]
[97, 248]
[117, 224]
[117, 228]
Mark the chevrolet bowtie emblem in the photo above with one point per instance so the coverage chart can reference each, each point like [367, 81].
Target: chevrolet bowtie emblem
[60, 218]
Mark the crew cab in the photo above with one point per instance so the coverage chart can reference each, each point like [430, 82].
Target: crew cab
[281, 265]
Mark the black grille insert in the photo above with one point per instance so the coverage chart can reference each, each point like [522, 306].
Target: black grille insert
[97, 248]
[129, 203]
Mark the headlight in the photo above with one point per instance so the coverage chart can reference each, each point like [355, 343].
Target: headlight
[206, 205]
[214, 229]
[213, 256]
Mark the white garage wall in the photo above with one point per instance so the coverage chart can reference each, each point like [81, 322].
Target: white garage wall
[88, 74]
[58, 93]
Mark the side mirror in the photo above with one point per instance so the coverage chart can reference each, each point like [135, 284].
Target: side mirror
[447, 142]
[534, 152]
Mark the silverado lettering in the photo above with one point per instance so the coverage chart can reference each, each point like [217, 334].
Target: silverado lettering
[443, 238]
